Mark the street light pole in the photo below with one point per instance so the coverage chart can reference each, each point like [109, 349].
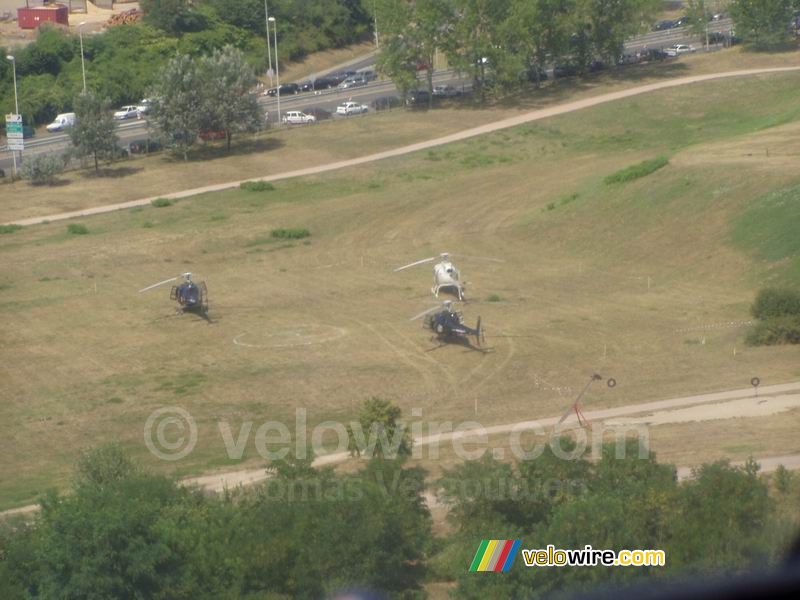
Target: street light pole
[277, 70]
[16, 107]
[375, 15]
[83, 64]
[269, 51]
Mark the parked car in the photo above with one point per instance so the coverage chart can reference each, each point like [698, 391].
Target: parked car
[320, 114]
[287, 89]
[565, 70]
[683, 21]
[306, 86]
[323, 83]
[531, 74]
[127, 112]
[663, 25]
[144, 106]
[61, 122]
[143, 146]
[295, 117]
[351, 108]
[386, 103]
[418, 98]
[654, 54]
[678, 49]
[446, 91]
[368, 74]
[595, 66]
[352, 82]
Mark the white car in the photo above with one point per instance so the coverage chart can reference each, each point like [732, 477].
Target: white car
[144, 106]
[678, 49]
[61, 122]
[128, 112]
[351, 108]
[352, 82]
[295, 117]
[445, 91]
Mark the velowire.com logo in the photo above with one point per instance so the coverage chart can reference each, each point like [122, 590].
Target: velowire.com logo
[495, 555]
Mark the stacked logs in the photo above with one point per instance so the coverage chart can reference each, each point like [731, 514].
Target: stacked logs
[126, 18]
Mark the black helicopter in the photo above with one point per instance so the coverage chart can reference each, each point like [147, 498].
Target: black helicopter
[448, 325]
[189, 295]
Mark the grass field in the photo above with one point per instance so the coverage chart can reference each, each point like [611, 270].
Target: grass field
[619, 278]
[278, 151]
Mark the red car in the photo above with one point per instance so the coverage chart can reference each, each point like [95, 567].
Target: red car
[213, 135]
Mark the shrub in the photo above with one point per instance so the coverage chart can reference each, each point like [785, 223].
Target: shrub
[494, 298]
[291, 234]
[10, 228]
[776, 302]
[256, 186]
[637, 171]
[161, 202]
[77, 229]
[42, 169]
[775, 330]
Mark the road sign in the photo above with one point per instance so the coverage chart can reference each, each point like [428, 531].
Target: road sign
[14, 132]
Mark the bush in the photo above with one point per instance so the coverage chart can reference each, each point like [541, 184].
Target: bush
[42, 169]
[77, 229]
[775, 330]
[291, 234]
[161, 202]
[637, 171]
[776, 302]
[9, 228]
[257, 186]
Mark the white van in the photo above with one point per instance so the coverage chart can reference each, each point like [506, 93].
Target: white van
[61, 122]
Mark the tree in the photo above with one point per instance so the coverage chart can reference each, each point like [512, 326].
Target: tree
[476, 43]
[763, 24]
[177, 105]
[173, 16]
[602, 27]
[42, 169]
[539, 32]
[93, 133]
[227, 101]
[378, 423]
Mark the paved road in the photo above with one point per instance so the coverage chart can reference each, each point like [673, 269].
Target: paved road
[218, 482]
[328, 99]
[536, 115]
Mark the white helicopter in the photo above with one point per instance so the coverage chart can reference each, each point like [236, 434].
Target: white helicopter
[446, 277]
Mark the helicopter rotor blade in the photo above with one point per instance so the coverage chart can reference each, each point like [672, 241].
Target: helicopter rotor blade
[426, 312]
[498, 260]
[155, 285]
[414, 264]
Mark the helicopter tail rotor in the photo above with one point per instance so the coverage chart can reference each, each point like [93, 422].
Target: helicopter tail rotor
[479, 337]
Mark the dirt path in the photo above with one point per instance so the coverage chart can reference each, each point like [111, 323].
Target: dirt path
[462, 135]
[217, 482]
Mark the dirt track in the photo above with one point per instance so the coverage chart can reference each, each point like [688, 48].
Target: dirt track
[217, 482]
[462, 135]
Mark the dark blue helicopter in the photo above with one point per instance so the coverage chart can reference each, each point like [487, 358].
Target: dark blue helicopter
[448, 325]
[189, 295]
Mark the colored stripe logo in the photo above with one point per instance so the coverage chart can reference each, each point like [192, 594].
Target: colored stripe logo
[495, 555]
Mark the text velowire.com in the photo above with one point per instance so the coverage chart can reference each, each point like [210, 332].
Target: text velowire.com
[171, 433]
[589, 557]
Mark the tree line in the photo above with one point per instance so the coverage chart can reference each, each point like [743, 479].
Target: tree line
[501, 43]
[311, 532]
